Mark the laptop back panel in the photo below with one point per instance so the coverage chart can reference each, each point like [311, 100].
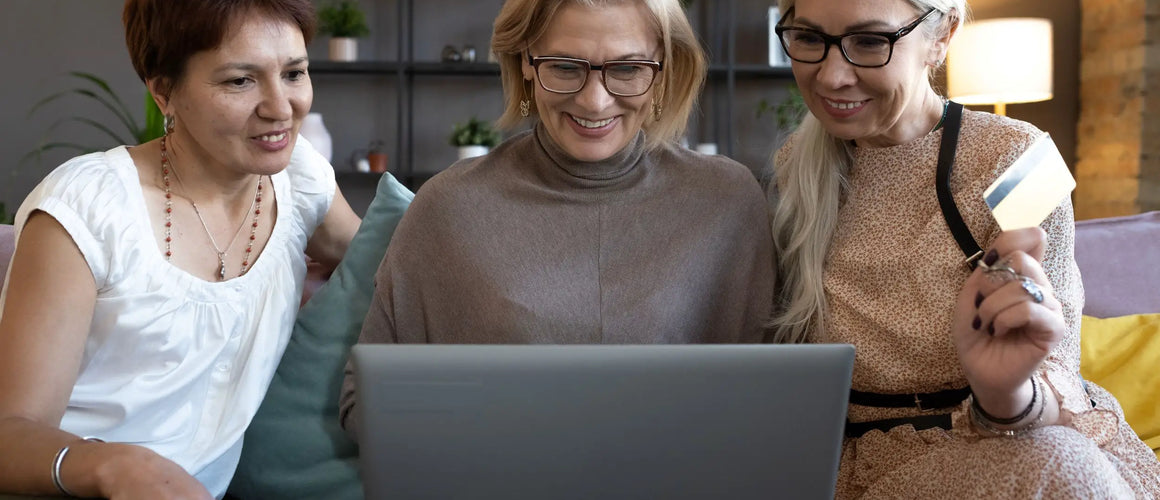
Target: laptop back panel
[675, 422]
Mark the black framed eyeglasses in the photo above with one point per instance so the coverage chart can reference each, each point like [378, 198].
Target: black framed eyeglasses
[567, 75]
[865, 49]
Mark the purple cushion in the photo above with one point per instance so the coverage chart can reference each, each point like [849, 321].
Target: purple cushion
[1119, 258]
[7, 246]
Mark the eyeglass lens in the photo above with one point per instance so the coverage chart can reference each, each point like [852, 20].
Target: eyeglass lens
[624, 79]
[862, 49]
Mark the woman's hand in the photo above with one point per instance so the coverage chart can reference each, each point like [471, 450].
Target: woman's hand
[131, 472]
[1002, 332]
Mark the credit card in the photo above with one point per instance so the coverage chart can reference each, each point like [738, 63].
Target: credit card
[1031, 188]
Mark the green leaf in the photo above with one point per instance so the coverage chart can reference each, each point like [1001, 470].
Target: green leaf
[788, 113]
[342, 19]
[96, 89]
[474, 133]
[90, 122]
[41, 149]
[108, 91]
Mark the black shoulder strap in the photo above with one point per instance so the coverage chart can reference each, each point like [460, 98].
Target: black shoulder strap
[946, 161]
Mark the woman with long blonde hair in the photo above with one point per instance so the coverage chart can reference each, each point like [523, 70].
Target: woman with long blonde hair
[966, 382]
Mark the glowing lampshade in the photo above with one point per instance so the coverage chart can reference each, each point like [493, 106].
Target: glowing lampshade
[1001, 61]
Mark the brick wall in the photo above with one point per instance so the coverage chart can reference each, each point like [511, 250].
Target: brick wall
[1118, 134]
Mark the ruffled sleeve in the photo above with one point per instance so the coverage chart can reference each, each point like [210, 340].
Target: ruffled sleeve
[87, 196]
[1061, 368]
[313, 184]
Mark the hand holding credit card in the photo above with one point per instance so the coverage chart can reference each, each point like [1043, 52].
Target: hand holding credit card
[1031, 188]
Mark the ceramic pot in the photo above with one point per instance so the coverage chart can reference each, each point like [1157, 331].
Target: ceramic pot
[343, 49]
[378, 162]
[472, 151]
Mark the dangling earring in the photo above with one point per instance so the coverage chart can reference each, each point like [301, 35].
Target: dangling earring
[168, 122]
[656, 110]
[525, 105]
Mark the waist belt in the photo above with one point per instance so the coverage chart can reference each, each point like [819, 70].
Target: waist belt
[922, 401]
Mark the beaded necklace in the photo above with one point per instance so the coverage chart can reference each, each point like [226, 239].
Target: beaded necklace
[256, 206]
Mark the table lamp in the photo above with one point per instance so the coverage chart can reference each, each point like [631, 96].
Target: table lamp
[1000, 62]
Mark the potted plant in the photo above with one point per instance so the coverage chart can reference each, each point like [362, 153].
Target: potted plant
[788, 113]
[473, 138]
[94, 88]
[344, 22]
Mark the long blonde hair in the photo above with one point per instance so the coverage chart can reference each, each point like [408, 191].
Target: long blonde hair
[810, 181]
[522, 22]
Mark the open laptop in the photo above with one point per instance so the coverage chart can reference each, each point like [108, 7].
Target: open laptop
[601, 421]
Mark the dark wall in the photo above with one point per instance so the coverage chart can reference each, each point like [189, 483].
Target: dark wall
[41, 40]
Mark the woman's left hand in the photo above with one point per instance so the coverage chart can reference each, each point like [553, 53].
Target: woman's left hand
[1003, 329]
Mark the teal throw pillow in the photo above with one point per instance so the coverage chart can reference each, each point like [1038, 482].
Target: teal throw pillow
[295, 447]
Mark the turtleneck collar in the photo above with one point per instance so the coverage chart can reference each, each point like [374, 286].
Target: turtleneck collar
[615, 166]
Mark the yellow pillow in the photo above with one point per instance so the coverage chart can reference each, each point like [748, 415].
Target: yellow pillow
[1122, 355]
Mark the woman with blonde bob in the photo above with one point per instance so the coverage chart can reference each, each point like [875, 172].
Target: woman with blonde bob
[594, 226]
[966, 382]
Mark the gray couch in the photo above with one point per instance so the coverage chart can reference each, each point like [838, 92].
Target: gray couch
[1119, 258]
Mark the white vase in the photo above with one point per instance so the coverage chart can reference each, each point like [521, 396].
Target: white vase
[315, 132]
[472, 151]
[343, 49]
[777, 55]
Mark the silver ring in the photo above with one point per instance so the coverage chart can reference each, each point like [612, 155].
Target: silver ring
[1032, 288]
[999, 272]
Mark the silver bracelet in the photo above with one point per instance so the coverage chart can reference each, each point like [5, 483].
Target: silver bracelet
[981, 422]
[59, 459]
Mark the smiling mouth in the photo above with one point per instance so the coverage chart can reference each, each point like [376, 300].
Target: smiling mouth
[589, 123]
[845, 105]
[272, 138]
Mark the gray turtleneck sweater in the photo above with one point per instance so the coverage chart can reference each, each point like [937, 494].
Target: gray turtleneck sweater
[527, 245]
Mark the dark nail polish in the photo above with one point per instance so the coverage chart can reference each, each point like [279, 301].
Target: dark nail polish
[991, 329]
[976, 323]
[991, 257]
[978, 299]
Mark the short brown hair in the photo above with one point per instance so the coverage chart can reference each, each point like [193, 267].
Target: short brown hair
[162, 35]
[522, 22]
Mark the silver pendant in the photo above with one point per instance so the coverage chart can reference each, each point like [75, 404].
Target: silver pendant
[221, 268]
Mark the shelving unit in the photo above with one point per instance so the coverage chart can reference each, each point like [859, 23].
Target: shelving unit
[734, 77]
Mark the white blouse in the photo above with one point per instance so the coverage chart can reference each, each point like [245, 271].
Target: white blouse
[174, 363]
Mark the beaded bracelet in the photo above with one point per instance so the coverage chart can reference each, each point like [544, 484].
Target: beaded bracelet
[981, 422]
[1008, 421]
[59, 459]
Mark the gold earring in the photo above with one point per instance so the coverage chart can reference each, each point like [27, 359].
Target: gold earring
[525, 104]
[167, 123]
[656, 110]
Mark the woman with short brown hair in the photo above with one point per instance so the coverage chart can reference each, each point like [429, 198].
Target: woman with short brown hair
[154, 287]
